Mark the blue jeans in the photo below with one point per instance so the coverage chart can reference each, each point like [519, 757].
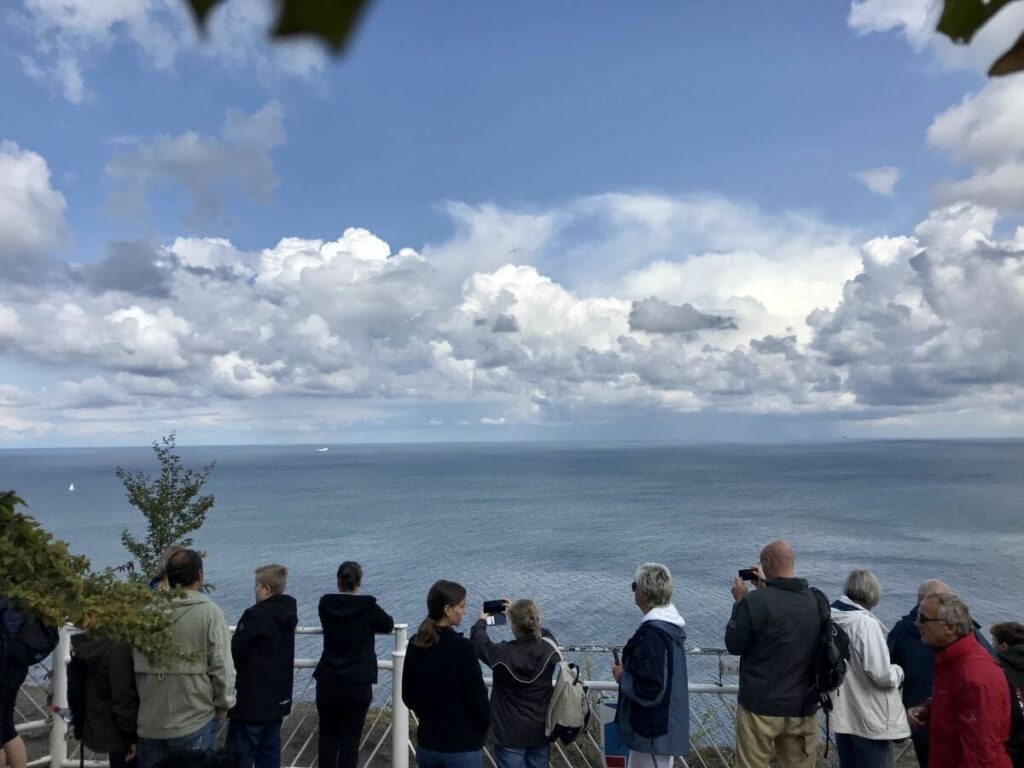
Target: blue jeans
[858, 752]
[256, 744]
[428, 758]
[152, 751]
[527, 757]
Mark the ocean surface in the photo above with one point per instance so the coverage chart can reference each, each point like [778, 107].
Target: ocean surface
[568, 524]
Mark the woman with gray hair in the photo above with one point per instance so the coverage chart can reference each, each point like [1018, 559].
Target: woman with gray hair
[654, 700]
[523, 668]
[868, 712]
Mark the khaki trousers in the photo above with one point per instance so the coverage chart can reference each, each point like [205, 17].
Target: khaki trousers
[793, 739]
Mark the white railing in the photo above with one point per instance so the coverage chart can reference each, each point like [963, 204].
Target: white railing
[712, 719]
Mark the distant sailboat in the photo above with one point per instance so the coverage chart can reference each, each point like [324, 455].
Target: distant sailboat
[322, 450]
[71, 488]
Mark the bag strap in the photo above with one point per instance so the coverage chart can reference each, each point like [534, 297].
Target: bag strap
[554, 645]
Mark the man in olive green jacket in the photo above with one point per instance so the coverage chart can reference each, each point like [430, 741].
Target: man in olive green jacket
[182, 699]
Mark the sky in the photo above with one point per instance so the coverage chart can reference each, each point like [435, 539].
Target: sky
[601, 221]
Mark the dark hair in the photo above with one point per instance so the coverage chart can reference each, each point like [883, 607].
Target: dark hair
[184, 568]
[350, 576]
[1009, 632]
[441, 595]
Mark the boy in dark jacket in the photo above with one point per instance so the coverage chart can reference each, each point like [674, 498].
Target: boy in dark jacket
[263, 649]
[111, 701]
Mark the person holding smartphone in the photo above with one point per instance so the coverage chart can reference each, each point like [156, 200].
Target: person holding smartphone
[654, 700]
[523, 668]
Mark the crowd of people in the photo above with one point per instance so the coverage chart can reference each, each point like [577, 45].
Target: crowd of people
[933, 678]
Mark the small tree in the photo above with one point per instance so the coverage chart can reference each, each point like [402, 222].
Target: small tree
[44, 580]
[170, 503]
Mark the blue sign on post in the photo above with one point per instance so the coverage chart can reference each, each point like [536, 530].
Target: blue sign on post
[615, 752]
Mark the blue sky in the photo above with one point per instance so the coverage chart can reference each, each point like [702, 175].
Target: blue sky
[603, 177]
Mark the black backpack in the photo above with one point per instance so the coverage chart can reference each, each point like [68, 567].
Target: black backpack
[832, 659]
[24, 641]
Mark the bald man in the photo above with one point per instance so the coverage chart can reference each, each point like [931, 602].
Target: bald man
[774, 629]
[918, 661]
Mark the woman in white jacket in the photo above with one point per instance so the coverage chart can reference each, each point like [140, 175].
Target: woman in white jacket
[868, 712]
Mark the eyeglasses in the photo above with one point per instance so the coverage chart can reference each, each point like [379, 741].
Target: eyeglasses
[925, 620]
[633, 586]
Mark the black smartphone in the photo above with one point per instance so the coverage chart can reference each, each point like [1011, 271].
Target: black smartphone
[748, 574]
[494, 606]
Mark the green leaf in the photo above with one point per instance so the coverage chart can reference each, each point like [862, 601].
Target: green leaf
[1010, 62]
[201, 10]
[961, 19]
[330, 20]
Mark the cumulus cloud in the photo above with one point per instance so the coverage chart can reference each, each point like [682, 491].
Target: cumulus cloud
[881, 181]
[31, 214]
[204, 166]
[895, 326]
[986, 131]
[916, 21]
[658, 316]
[65, 37]
[133, 267]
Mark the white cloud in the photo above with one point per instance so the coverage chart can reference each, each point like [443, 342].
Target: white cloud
[781, 315]
[986, 131]
[491, 422]
[67, 36]
[881, 181]
[202, 165]
[31, 213]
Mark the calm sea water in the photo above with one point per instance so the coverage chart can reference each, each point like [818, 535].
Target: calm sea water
[567, 525]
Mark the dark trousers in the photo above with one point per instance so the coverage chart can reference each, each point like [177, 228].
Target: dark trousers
[342, 711]
[858, 752]
[256, 744]
[117, 760]
[920, 738]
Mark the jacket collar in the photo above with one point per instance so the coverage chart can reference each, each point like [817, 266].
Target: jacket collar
[666, 613]
[844, 603]
[955, 651]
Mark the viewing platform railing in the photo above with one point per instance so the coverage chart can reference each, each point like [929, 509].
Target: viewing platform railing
[43, 708]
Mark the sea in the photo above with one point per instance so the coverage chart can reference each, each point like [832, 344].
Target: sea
[567, 524]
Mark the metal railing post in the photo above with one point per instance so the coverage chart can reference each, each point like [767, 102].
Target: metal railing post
[399, 715]
[58, 725]
[401, 636]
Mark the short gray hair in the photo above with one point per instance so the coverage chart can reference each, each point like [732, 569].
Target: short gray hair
[654, 581]
[953, 612]
[863, 587]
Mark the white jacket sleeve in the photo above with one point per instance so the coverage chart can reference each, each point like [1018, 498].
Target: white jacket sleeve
[874, 652]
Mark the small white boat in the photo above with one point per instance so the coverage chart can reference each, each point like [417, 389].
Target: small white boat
[71, 488]
[322, 450]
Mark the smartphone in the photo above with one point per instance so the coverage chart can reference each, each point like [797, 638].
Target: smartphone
[494, 606]
[748, 574]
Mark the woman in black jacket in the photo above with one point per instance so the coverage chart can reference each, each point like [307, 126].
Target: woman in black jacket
[523, 669]
[443, 685]
[348, 666]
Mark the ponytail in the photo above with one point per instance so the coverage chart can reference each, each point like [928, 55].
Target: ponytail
[441, 595]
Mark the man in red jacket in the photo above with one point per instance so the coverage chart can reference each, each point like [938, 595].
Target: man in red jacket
[968, 715]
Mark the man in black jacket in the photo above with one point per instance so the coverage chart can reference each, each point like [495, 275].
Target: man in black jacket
[774, 630]
[263, 649]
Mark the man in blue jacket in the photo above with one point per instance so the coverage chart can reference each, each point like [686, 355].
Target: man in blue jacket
[654, 699]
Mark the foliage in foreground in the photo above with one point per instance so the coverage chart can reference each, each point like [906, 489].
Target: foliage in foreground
[44, 580]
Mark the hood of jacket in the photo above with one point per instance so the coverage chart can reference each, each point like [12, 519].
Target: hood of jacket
[1013, 662]
[345, 605]
[528, 659]
[91, 650]
[282, 609]
[666, 614]
[846, 612]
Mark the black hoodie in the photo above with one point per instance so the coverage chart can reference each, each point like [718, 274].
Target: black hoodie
[350, 623]
[111, 701]
[263, 649]
[1012, 660]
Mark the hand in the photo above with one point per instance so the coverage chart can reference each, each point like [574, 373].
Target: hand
[617, 672]
[917, 716]
[482, 617]
[130, 754]
[761, 579]
[739, 589]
